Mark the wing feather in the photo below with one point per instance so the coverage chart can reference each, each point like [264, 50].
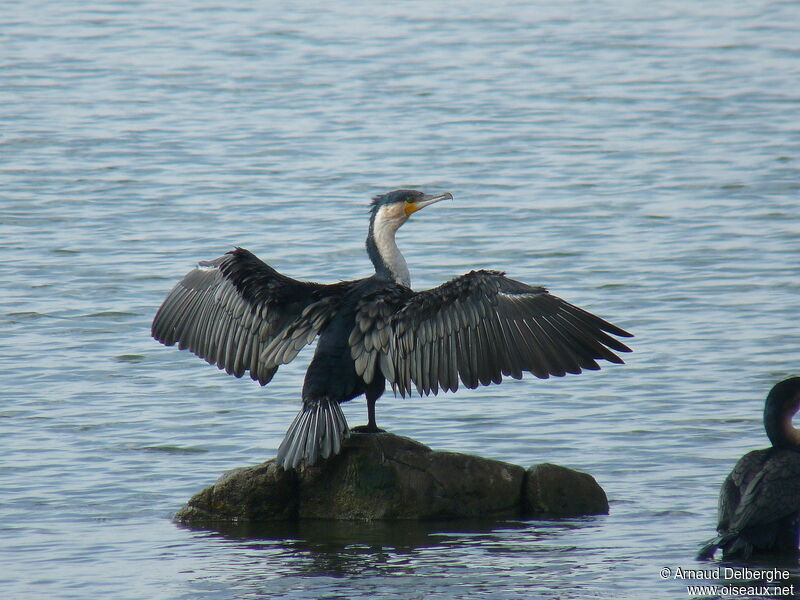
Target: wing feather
[540, 347]
[513, 353]
[476, 328]
[470, 342]
[229, 310]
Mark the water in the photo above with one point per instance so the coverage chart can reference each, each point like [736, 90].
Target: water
[640, 160]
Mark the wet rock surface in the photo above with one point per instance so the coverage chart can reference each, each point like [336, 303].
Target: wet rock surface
[557, 491]
[388, 477]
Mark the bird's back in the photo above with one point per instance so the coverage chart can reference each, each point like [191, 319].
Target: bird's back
[746, 468]
[759, 504]
[331, 372]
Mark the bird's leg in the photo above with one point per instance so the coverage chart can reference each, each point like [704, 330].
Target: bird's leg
[372, 425]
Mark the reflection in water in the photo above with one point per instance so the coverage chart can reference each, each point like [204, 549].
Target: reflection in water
[324, 540]
[479, 553]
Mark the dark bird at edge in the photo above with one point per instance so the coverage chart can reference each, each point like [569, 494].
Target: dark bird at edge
[242, 315]
[759, 503]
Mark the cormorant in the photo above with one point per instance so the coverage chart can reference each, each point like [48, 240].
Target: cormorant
[759, 503]
[242, 315]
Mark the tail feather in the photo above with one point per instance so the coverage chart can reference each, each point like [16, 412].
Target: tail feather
[325, 444]
[311, 436]
[334, 421]
[709, 548]
[732, 544]
[289, 445]
[317, 431]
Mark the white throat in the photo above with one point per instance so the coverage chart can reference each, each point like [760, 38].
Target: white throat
[383, 230]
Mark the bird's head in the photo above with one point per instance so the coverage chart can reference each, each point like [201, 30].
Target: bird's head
[396, 207]
[782, 404]
[389, 212]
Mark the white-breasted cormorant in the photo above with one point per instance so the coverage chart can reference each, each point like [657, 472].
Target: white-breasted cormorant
[242, 315]
[759, 503]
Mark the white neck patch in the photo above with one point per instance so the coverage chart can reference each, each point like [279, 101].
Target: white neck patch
[387, 221]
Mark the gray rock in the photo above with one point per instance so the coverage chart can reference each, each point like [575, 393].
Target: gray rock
[561, 492]
[388, 477]
[264, 492]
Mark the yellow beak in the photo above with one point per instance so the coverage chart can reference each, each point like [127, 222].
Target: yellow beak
[426, 200]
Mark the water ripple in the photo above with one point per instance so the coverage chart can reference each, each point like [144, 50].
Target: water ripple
[641, 164]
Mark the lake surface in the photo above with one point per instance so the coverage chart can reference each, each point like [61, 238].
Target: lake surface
[638, 159]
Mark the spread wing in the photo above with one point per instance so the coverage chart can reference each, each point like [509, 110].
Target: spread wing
[229, 310]
[476, 328]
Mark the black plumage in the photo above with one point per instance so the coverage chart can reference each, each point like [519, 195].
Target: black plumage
[242, 315]
[759, 503]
